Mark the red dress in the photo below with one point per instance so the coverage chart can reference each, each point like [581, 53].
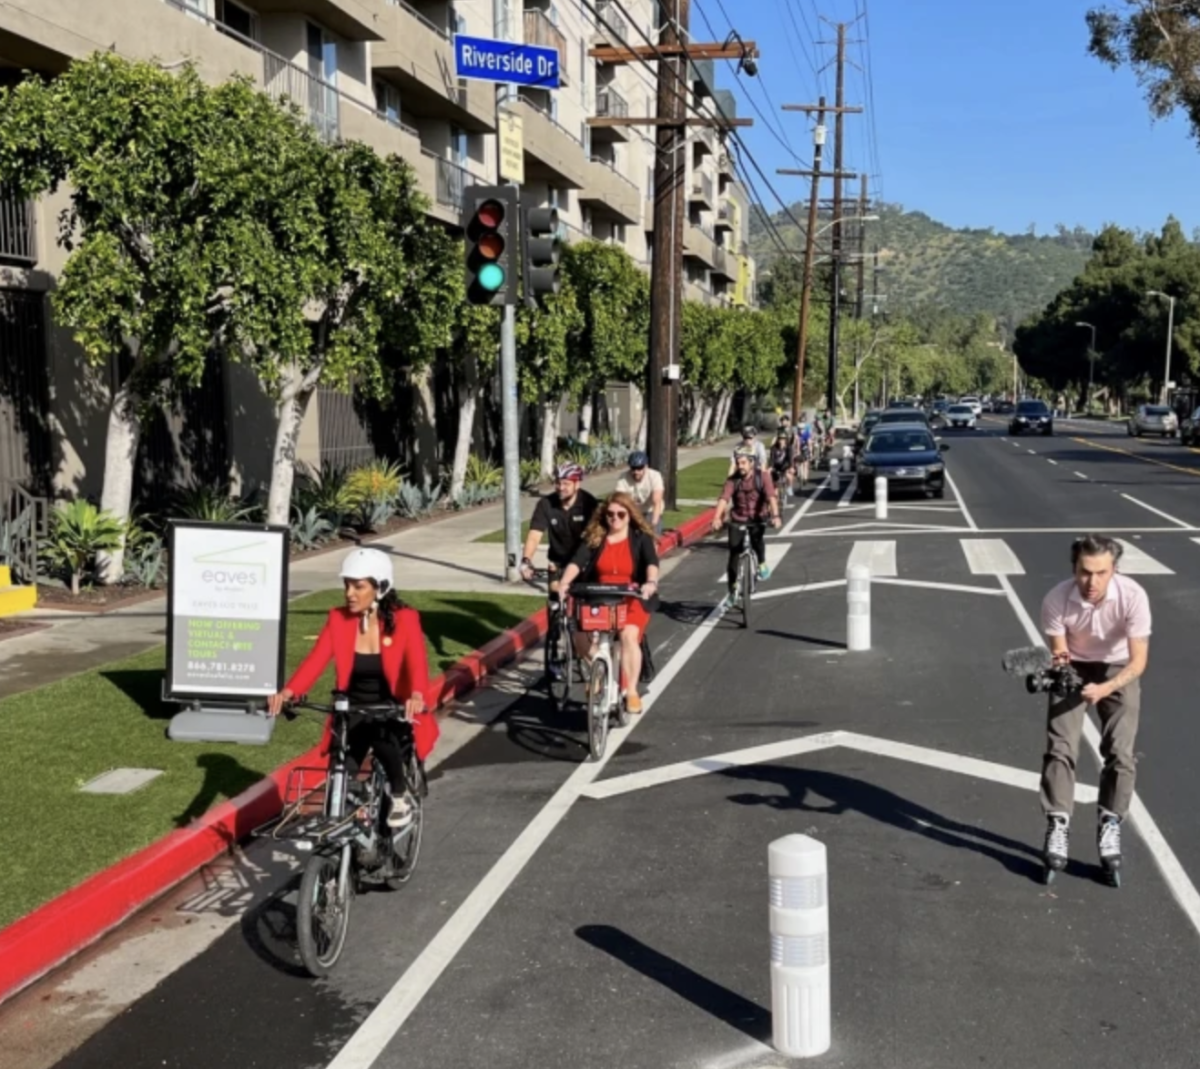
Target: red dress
[615, 565]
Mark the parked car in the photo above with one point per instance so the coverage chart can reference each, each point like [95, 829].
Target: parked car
[960, 416]
[1153, 419]
[1189, 429]
[903, 415]
[864, 427]
[907, 455]
[1005, 408]
[1031, 416]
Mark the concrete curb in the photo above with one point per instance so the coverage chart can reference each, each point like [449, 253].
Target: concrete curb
[55, 932]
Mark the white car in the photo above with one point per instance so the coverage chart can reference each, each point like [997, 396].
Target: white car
[974, 402]
[960, 415]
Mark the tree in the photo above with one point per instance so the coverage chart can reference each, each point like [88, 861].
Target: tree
[474, 351]
[1160, 41]
[545, 336]
[174, 189]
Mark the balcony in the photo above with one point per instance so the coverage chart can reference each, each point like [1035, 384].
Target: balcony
[725, 265]
[697, 291]
[611, 27]
[726, 217]
[609, 105]
[418, 56]
[610, 193]
[725, 169]
[552, 153]
[698, 244]
[702, 192]
[444, 182]
[18, 233]
[539, 30]
[355, 20]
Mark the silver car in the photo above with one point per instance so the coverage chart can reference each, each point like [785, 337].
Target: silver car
[1153, 419]
[960, 416]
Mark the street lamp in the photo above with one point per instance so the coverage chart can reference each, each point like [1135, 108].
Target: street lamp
[1091, 360]
[1170, 334]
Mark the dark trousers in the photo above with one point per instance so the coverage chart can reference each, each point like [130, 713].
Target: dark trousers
[737, 538]
[388, 741]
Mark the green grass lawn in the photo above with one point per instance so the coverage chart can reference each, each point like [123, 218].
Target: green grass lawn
[702, 481]
[498, 536]
[55, 738]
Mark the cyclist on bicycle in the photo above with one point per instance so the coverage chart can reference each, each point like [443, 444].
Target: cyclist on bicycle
[782, 459]
[619, 548]
[804, 455]
[563, 514]
[378, 649]
[749, 498]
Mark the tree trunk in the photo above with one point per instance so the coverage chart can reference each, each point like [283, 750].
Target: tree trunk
[468, 397]
[697, 415]
[721, 426]
[586, 413]
[425, 445]
[707, 407]
[549, 436]
[289, 415]
[120, 456]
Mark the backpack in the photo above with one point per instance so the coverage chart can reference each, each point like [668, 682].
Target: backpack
[758, 484]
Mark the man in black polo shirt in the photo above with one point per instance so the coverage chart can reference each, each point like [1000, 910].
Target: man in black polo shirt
[563, 514]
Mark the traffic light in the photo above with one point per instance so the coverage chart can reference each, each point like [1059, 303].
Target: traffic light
[540, 248]
[490, 215]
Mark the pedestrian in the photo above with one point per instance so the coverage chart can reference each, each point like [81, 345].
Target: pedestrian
[645, 486]
[1098, 622]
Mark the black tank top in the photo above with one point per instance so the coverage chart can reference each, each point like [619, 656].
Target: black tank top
[368, 686]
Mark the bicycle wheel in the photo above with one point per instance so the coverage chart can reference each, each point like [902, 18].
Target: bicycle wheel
[322, 914]
[559, 654]
[406, 843]
[747, 585]
[597, 709]
[622, 712]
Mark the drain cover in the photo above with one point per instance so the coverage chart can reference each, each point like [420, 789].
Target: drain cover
[121, 780]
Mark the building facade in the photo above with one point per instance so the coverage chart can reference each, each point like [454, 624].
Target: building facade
[376, 71]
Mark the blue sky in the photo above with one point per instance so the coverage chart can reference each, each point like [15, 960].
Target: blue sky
[988, 112]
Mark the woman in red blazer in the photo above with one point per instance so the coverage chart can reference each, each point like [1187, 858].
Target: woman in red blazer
[378, 649]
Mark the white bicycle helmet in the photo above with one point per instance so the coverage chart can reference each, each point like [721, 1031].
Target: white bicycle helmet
[369, 564]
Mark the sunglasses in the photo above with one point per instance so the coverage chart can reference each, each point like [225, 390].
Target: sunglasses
[616, 514]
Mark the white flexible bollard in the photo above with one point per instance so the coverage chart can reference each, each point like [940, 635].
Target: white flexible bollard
[847, 457]
[800, 1009]
[835, 482]
[858, 608]
[881, 497]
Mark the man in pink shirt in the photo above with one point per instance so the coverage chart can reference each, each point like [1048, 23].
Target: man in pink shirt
[1099, 622]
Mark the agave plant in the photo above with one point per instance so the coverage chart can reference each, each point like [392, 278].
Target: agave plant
[146, 561]
[416, 502]
[482, 472]
[78, 531]
[310, 529]
[531, 474]
[211, 501]
[378, 481]
[372, 514]
[327, 490]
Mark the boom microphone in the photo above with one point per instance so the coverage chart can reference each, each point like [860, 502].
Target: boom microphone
[1027, 661]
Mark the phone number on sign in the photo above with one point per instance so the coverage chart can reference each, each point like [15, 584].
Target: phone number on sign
[218, 666]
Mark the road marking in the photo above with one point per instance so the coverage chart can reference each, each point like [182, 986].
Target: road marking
[779, 592]
[1139, 816]
[390, 1015]
[1138, 456]
[927, 584]
[959, 498]
[1158, 512]
[776, 551]
[852, 530]
[845, 502]
[991, 556]
[1015, 445]
[1032, 452]
[880, 557]
[1080, 475]
[1136, 561]
[892, 507]
[1007, 775]
[1049, 461]
[800, 512]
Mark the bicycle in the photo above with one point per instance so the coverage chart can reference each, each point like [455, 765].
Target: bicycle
[558, 650]
[342, 820]
[747, 569]
[599, 610]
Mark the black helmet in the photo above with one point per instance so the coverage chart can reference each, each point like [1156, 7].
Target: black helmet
[749, 431]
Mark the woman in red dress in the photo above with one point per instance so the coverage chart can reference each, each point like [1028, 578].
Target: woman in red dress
[619, 547]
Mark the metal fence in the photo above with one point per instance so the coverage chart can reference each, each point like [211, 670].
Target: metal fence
[23, 523]
[317, 99]
[345, 432]
[24, 389]
[610, 25]
[610, 104]
[539, 30]
[452, 180]
[18, 238]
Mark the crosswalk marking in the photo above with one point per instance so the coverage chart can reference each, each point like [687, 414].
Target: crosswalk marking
[880, 557]
[991, 556]
[1136, 561]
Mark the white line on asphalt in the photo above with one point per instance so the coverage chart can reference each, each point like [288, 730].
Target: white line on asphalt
[779, 592]
[1172, 870]
[854, 530]
[776, 551]
[892, 507]
[389, 1016]
[800, 512]
[1158, 512]
[927, 584]
[1136, 561]
[845, 502]
[991, 556]
[879, 557]
[1015, 445]
[959, 498]
[1049, 461]
[1032, 452]
[1080, 474]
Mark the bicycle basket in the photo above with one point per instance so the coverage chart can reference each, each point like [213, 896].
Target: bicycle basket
[305, 792]
[600, 617]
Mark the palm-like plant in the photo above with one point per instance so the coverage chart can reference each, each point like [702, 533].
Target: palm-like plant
[78, 531]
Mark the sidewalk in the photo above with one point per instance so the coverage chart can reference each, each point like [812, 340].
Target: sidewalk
[442, 555]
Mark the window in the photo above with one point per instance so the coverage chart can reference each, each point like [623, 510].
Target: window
[459, 145]
[322, 55]
[387, 100]
[237, 18]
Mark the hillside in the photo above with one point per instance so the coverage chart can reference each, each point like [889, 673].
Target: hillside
[1008, 275]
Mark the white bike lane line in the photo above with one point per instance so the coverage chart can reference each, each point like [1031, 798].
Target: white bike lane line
[385, 1021]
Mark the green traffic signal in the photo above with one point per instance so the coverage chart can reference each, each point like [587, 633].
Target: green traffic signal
[491, 277]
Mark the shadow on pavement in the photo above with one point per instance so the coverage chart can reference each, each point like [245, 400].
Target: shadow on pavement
[269, 930]
[847, 794]
[725, 1005]
[685, 612]
[809, 639]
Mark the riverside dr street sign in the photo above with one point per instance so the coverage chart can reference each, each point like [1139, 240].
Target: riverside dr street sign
[505, 61]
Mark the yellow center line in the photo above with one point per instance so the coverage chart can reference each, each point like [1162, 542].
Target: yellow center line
[1138, 456]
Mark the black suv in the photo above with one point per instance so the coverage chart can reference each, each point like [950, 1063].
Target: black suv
[1031, 416]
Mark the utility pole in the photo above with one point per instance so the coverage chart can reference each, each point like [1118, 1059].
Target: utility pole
[810, 241]
[836, 273]
[670, 169]
[862, 281]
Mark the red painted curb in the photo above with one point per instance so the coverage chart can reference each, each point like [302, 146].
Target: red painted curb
[56, 931]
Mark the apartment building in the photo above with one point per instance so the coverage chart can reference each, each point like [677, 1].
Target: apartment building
[377, 71]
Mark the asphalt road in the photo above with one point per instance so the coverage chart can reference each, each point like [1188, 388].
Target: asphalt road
[566, 913]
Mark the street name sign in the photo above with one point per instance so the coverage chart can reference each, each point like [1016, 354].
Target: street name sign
[506, 61]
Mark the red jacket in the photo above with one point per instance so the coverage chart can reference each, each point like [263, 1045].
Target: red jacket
[405, 666]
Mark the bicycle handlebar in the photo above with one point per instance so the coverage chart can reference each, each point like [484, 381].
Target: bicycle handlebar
[600, 593]
[379, 711]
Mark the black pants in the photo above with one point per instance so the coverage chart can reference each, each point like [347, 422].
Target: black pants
[389, 741]
[737, 538]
